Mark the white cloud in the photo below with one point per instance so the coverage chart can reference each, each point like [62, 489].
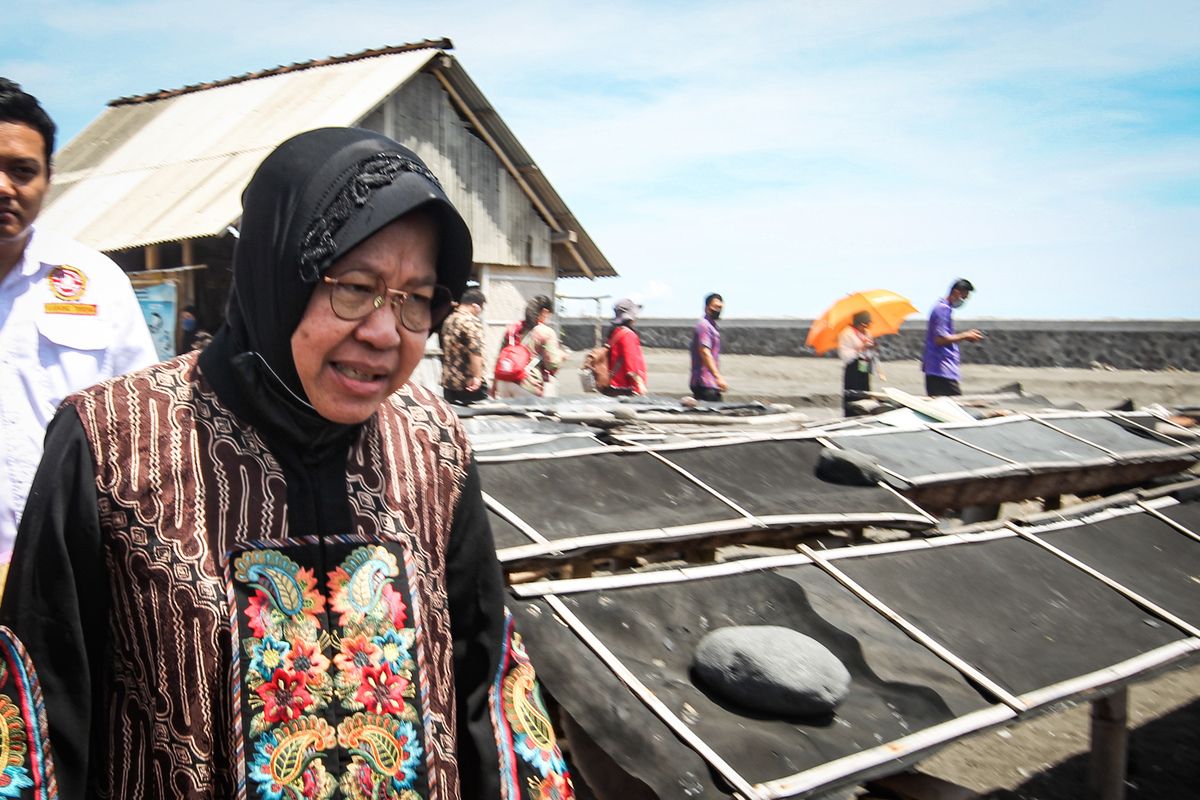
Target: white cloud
[780, 152]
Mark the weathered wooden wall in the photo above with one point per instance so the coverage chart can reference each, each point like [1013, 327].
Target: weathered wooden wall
[505, 228]
[512, 242]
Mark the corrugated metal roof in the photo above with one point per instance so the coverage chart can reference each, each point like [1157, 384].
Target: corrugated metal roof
[172, 165]
[172, 169]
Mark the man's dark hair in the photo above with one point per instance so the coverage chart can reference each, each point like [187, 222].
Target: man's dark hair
[472, 295]
[17, 105]
[711, 297]
[963, 285]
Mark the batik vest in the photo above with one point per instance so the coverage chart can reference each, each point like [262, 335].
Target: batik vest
[251, 660]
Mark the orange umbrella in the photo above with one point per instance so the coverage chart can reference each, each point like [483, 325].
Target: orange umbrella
[887, 309]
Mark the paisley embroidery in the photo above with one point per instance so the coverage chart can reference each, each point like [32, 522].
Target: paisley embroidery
[13, 775]
[287, 761]
[384, 755]
[523, 728]
[330, 679]
[26, 768]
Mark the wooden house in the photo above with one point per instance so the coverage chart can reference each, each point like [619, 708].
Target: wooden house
[156, 180]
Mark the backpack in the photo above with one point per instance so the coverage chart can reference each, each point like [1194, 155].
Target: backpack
[513, 363]
[594, 375]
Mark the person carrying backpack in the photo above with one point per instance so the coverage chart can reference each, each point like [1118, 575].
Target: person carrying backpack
[530, 354]
[626, 364]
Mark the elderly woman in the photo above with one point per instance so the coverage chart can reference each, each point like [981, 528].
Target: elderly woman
[856, 349]
[265, 570]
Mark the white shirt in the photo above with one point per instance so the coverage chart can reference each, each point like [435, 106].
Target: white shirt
[850, 344]
[68, 319]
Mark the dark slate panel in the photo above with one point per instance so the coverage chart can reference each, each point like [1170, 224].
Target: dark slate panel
[778, 477]
[916, 454]
[1112, 434]
[1186, 514]
[1023, 616]
[1028, 442]
[599, 493]
[505, 533]
[1143, 554]
[897, 688]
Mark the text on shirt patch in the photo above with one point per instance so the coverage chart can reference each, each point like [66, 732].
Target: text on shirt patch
[69, 284]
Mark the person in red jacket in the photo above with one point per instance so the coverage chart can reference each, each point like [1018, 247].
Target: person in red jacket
[626, 365]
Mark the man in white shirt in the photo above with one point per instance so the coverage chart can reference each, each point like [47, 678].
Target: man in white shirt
[68, 316]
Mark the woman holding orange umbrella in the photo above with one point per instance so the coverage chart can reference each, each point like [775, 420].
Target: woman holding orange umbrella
[852, 324]
[856, 349]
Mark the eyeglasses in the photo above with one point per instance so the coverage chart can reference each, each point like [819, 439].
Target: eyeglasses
[357, 294]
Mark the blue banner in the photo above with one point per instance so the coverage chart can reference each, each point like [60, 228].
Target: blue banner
[158, 307]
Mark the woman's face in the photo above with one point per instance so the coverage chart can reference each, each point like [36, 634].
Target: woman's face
[348, 367]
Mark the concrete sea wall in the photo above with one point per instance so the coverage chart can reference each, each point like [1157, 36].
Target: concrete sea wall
[1123, 344]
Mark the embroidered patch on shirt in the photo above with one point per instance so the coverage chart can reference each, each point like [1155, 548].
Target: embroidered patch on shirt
[68, 283]
[78, 309]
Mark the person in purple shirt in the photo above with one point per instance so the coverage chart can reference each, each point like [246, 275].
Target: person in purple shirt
[706, 380]
[941, 360]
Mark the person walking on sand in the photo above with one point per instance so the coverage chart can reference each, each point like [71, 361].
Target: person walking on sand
[462, 351]
[941, 360]
[856, 349]
[626, 364]
[706, 381]
[545, 351]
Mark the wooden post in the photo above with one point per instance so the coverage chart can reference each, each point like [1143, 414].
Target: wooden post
[1052, 502]
[1110, 746]
[152, 256]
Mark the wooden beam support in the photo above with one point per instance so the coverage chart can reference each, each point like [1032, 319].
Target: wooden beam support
[1110, 746]
[153, 260]
[491, 142]
[187, 253]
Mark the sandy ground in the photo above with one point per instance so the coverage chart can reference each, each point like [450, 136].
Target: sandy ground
[1045, 758]
[818, 381]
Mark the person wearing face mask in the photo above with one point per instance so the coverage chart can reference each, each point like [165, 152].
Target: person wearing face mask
[190, 330]
[706, 381]
[941, 360]
[268, 564]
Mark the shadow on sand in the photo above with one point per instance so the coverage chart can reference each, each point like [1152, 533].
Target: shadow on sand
[1164, 764]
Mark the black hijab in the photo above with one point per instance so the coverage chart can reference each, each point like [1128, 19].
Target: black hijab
[311, 201]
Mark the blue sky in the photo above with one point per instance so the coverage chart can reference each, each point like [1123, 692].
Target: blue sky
[781, 153]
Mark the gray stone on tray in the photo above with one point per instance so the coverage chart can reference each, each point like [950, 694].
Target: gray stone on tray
[771, 669]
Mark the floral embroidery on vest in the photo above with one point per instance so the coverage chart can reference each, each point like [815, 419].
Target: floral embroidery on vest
[328, 671]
